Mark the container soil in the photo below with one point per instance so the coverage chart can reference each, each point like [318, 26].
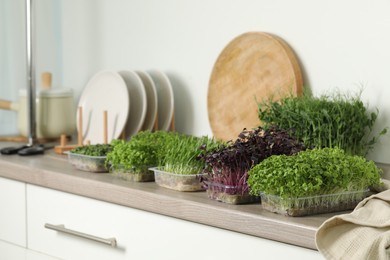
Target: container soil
[229, 194]
[179, 182]
[87, 163]
[303, 206]
[130, 175]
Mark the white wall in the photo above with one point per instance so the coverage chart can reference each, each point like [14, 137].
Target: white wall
[340, 44]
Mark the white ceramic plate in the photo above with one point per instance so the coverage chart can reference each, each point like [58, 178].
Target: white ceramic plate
[165, 99]
[105, 91]
[137, 102]
[151, 100]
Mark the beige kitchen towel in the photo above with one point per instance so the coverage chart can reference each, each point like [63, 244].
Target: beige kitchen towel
[362, 234]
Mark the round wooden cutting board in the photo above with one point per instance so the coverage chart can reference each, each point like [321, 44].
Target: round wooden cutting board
[254, 66]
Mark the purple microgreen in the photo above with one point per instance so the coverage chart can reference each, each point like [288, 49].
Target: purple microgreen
[229, 165]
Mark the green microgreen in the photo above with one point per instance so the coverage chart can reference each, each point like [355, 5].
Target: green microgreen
[182, 151]
[312, 173]
[93, 149]
[143, 150]
[336, 120]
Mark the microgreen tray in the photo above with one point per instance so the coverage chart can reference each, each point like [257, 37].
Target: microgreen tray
[304, 206]
[130, 175]
[229, 194]
[87, 163]
[179, 182]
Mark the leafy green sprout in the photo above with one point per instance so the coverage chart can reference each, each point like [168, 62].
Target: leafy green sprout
[144, 150]
[177, 153]
[327, 121]
[181, 153]
[312, 173]
[93, 149]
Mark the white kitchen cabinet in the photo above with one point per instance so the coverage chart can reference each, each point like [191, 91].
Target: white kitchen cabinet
[13, 211]
[139, 234]
[10, 251]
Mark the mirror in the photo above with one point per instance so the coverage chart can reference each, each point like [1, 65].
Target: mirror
[13, 68]
[13, 63]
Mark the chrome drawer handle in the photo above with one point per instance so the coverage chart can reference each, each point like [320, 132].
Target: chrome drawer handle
[61, 228]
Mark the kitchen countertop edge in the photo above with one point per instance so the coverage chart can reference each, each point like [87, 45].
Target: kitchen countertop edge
[54, 172]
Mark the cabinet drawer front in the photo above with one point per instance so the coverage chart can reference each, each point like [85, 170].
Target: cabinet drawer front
[139, 234]
[79, 214]
[13, 211]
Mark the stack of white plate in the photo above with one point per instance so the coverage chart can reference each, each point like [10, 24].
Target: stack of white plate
[134, 101]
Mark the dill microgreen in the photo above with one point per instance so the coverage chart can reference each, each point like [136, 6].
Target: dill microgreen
[336, 120]
[181, 153]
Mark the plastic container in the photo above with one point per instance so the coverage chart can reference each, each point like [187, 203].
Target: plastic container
[229, 194]
[304, 206]
[179, 182]
[87, 163]
[129, 175]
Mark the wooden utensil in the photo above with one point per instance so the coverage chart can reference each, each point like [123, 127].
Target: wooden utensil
[105, 127]
[46, 78]
[172, 124]
[23, 139]
[155, 125]
[80, 133]
[63, 147]
[253, 66]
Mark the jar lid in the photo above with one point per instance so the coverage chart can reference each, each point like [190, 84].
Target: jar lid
[56, 92]
[22, 92]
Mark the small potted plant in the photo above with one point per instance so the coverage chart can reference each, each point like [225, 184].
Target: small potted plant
[313, 181]
[131, 160]
[90, 158]
[179, 167]
[227, 168]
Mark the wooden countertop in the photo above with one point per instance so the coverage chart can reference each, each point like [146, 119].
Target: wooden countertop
[53, 171]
